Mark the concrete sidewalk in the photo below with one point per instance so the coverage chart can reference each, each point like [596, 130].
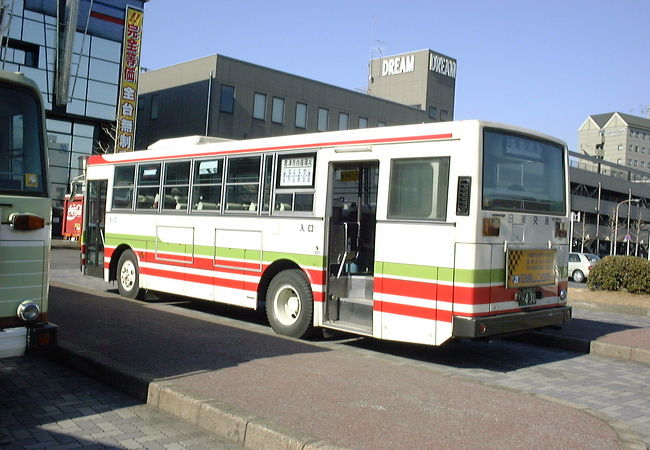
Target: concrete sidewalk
[265, 391]
[612, 340]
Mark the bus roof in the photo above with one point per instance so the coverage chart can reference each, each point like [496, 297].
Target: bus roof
[191, 148]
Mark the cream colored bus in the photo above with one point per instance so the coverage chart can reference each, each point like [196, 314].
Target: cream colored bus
[25, 219]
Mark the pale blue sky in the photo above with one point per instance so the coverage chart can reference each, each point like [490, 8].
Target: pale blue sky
[544, 64]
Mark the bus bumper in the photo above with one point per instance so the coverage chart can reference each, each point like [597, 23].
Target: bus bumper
[15, 341]
[473, 327]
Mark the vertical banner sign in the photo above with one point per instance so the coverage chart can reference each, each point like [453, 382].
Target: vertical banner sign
[127, 105]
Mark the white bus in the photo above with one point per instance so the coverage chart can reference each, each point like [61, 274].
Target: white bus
[25, 219]
[415, 233]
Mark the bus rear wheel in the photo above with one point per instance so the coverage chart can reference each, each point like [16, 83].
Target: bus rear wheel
[290, 304]
[128, 276]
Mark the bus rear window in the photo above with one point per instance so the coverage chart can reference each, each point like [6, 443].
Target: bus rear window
[522, 174]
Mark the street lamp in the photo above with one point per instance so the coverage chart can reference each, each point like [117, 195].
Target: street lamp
[629, 200]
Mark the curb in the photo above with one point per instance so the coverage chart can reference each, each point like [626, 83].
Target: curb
[596, 348]
[624, 309]
[209, 414]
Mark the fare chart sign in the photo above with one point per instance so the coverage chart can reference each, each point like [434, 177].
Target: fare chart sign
[127, 104]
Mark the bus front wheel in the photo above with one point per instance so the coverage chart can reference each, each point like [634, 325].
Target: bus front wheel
[290, 304]
[128, 275]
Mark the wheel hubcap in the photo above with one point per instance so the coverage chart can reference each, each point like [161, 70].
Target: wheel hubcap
[127, 275]
[287, 305]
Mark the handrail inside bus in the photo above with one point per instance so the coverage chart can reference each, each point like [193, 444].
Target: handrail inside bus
[345, 253]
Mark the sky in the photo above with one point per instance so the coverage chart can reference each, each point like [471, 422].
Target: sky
[541, 64]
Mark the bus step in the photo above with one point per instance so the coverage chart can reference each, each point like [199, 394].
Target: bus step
[356, 311]
[342, 325]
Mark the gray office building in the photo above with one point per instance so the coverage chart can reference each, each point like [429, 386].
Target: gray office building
[424, 79]
[225, 97]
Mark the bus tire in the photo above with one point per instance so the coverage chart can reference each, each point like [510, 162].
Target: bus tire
[290, 304]
[128, 275]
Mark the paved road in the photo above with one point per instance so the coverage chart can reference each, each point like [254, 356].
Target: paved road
[615, 389]
[45, 405]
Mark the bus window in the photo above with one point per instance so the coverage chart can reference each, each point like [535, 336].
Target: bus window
[22, 164]
[268, 179]
[176, 185]
[418, 188]
[148, 186]
[206, 191]
[295, 175]
[522, 174]
[243, 183]
[123, 183]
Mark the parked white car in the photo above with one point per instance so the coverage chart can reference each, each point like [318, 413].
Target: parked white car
[580, 265]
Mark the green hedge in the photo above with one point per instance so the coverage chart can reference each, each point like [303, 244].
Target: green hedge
[620, 273]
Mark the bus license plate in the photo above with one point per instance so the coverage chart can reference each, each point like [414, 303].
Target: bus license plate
[526, 298]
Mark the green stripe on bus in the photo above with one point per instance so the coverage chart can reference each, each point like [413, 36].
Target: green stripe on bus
[445, 274]
[249, 255]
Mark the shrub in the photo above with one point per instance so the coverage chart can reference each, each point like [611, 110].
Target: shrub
[617, 273]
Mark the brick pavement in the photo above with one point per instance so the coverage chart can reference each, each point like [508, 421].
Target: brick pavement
[45, 405]
[617, 389]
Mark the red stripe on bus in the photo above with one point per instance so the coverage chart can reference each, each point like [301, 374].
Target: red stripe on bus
[99, 159]
[464, 295]
[412, 311]
[316, 276]
[407, 288]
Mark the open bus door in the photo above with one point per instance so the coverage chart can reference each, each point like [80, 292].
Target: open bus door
[93, 229]
[351, 243]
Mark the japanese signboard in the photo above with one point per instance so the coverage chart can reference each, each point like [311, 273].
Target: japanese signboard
[529, 268]
[297, 171]
[127, 104]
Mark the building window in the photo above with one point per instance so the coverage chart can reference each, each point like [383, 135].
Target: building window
[227, 100]
[301, 115]
[433, 112]
[363, 122]
[344, 121]
[19, 52]
[443, 115]
[323, 119]
[259, 106]
[381, 124]
[154, 106]
[277, 115]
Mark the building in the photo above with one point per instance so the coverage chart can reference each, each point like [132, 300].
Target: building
[601, 193]
[225, 97]
[72, 50]
[424, 79]
[619, 138]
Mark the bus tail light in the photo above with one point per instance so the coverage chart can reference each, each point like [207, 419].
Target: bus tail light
[491, 226]
[560, 230]
[42, 336]
[26, 222]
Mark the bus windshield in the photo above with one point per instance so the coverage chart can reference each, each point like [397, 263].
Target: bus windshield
[22, 159]
[522, 174]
